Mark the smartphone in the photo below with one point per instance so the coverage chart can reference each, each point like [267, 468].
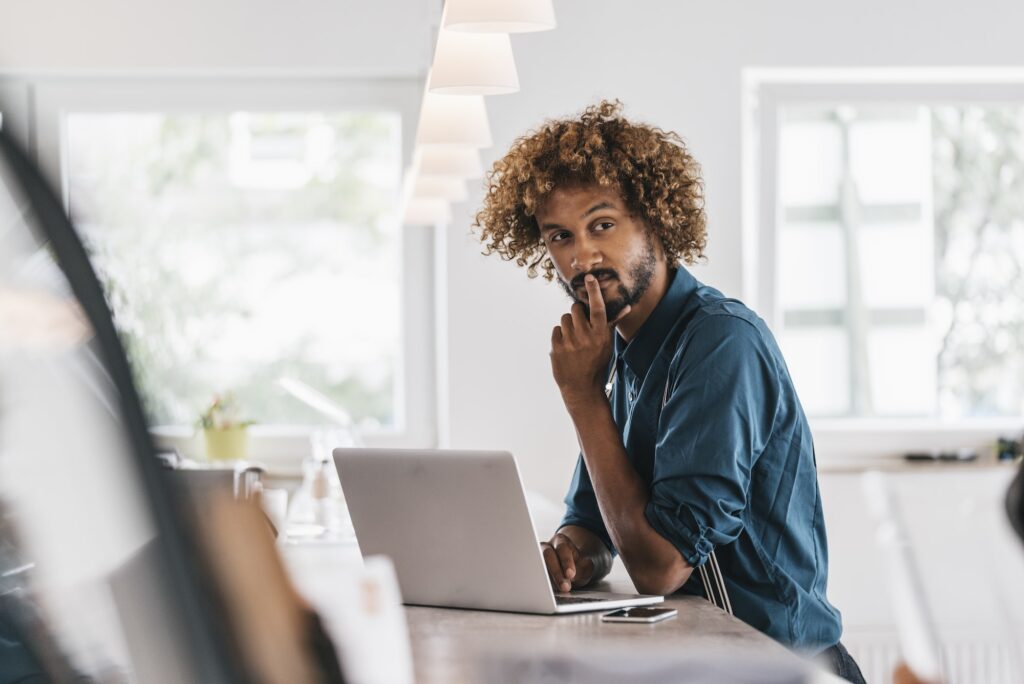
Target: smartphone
[640, 614]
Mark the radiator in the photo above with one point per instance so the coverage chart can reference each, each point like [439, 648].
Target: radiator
[966, 659]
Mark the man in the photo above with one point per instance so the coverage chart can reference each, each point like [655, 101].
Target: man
[697, 465]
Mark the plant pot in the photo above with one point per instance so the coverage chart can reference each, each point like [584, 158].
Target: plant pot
[230, 444]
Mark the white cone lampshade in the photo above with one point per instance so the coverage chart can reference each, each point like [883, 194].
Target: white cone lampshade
[439, 187]
[473, 64]
[459, 120]
[426, 211]
[460, 162]
[499, 16]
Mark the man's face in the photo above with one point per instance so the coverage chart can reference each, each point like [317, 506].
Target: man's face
[589, 230]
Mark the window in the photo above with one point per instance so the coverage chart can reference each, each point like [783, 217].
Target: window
[239, 248]
[248, 231]
[889, 244]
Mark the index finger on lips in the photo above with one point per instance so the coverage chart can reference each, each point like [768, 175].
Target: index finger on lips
[595, 298]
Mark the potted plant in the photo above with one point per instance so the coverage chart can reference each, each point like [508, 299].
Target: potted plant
[225, 434]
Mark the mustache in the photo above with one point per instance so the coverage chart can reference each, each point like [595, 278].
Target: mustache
[577, 281]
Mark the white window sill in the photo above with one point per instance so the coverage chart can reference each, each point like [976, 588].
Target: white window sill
[841, 443]
[280, 448]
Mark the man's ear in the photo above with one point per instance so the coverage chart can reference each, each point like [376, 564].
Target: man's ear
[655, 238]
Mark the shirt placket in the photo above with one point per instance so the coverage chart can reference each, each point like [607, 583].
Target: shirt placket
[630, 391]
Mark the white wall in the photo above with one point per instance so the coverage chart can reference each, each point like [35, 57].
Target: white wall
[363, 37]
[678, 65]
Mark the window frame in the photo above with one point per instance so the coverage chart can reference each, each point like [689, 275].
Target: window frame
[280, 446]
[765, 92]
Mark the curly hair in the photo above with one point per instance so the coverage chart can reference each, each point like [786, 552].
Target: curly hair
[652, 170]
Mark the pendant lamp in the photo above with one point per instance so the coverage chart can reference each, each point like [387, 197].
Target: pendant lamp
[460, 162]
[499, 16]
[473, 64]
[459, 120]
[440, 187]
[426, 211]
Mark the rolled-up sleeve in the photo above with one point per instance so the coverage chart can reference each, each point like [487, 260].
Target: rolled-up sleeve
[717, 419]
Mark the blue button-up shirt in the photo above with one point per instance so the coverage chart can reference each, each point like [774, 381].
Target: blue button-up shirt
[729, 460]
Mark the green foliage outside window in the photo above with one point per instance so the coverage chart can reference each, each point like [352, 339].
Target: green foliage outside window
[978, 171]
[240, 248]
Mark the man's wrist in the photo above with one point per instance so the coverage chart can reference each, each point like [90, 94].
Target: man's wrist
[584, 403]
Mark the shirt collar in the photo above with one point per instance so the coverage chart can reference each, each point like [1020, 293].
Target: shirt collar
[639, 353]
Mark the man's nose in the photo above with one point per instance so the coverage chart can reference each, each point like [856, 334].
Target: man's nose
[586, 257]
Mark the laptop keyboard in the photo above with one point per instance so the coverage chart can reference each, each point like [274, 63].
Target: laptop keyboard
[568, 600]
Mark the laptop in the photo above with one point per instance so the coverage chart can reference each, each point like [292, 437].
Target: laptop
[456, 526]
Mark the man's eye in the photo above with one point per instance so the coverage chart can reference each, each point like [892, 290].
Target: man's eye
[604, 225]
[558, 237]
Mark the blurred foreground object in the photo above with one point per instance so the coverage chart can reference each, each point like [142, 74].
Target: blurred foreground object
[361, 608]
[1015, 503]
[904, 675]
[515, 665]
[276, 630]
[104, 574]
[918, 641]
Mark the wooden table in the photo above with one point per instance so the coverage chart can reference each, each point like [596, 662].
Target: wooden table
[448, 645]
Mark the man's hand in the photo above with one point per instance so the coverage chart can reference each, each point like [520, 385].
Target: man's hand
[568, 567]
[581, 348]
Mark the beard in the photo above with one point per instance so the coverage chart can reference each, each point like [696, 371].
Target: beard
[641, 273]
